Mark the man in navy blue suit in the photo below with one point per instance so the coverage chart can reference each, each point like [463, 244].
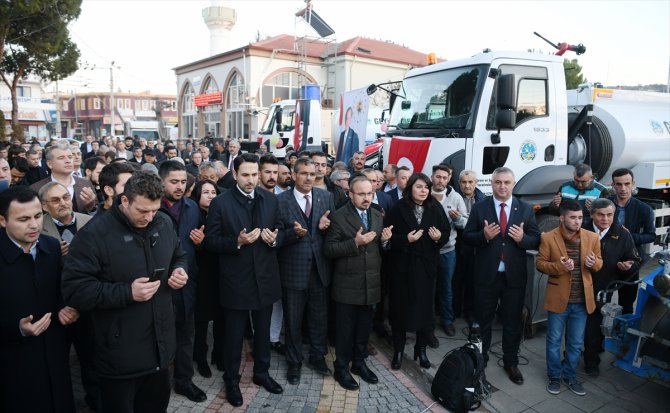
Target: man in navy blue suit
[348, 144]
[501, 228]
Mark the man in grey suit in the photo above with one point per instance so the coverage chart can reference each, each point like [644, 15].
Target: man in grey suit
[501, 228]
[304, 270]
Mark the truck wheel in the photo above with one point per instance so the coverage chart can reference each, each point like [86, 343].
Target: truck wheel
[592, 145]
[546, 222]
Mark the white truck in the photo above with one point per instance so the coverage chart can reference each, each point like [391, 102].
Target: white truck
[512, 109]
[147, 129]
[279, 129]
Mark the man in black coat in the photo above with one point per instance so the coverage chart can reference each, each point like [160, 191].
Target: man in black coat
[501, 228]
[123, 267]
[34, 350]
[305, 271]
[620, 261]
[185, 216]
[242, 227]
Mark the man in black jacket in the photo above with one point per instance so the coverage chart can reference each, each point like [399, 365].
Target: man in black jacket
[122, 268]
[242, 228]
[620, 261]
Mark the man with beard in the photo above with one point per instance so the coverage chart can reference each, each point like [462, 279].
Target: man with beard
[243, 225]
[358, 163]
[92, 168]
[321, 181]
[284, 180]
[187, 224]
[269, 167]
[112, 180]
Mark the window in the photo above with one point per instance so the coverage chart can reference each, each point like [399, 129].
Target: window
[145, 104]
[65, 105]
[96, 103]
[119, 104]
[128, 105]
[23, 91]
[189, 124]
[531, 101]
[152, 105]
[82, 104]
[284, 85]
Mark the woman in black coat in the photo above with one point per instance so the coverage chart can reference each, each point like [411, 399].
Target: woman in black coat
[207, 289]
[420, 228]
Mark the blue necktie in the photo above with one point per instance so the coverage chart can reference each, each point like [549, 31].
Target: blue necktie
[364, 218]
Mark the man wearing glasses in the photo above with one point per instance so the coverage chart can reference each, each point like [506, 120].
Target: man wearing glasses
[583, 189]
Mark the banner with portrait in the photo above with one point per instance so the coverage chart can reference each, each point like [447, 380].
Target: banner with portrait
[353, 124]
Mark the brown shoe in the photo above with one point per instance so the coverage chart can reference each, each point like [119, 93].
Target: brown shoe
[514, 374]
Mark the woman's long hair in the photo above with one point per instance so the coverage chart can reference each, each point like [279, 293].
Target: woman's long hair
[196, 194]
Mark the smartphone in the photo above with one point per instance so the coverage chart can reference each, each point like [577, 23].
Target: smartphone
[156, 275]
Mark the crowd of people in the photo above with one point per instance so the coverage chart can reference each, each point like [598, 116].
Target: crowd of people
[129, 250]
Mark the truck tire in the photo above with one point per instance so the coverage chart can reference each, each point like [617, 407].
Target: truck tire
[595, 146]
[546, 222]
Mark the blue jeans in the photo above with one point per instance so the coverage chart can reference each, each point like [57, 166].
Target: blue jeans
[445, 292]
[574, 319]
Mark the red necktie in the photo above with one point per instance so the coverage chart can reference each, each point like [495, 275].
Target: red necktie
[503, 226]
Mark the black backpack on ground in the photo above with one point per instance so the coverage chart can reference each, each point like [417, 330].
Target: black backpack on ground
[458, 378]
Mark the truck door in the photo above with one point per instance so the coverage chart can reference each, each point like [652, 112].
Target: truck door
[531, 142]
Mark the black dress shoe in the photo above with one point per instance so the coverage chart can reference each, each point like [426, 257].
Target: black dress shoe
[204, 370]
[449, 329]
[293, 374]
[362, 370]
[345, 379]
[279, 347]
[191, 392]
[514, 374]
[234, 395]
[268, 384]
[320, 367]
[397, 360]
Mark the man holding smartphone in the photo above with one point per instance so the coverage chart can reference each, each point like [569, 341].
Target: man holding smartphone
[107, 272]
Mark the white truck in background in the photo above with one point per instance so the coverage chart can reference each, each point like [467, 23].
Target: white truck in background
[279, 129]
[147, 129]
[512, 109]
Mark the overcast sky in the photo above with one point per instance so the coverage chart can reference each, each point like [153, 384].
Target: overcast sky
[628, 42]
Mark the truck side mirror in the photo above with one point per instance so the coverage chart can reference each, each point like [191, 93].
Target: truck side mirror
[506, 102]
[406, 104]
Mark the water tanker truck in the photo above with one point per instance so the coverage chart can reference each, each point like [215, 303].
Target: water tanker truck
[512, 109]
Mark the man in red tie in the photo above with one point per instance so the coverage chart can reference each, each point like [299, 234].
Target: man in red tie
[501, 228]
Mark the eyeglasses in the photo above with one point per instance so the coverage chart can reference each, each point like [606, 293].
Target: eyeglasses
[65, 198]
[583, 181]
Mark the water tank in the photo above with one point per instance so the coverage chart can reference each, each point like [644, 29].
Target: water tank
[311, 92]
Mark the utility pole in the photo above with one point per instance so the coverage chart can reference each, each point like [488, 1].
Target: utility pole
[58, 127]
[111, 100]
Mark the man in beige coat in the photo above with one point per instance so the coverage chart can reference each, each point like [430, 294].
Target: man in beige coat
[568, 255]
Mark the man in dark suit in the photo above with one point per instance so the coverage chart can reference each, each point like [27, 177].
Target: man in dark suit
[60, 161]
[305, 271]
[34, 361]
[382, 200]
[354, 243]
[501, 228]
[233, 152]
[348, 143]
[402, 176]
[242, 227]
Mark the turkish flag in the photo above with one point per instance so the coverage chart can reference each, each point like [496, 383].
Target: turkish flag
[409, 152]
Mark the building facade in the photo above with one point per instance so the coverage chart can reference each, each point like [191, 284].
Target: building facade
[37, 112]
[89, 113]
[228, 93]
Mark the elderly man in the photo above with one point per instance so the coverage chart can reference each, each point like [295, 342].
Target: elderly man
[233, 151]
[60, 161]
[341, 179]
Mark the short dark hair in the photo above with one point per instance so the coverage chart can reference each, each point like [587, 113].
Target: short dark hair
[407, 193]
[401, 168]
[20, 164]
[143, 183]
[622, 172]
[15, 150]
[168, 148]
[318, 153]
[197, 189]
[245, 157]
[569, 205]
[269, 159]
[190, 181]
[110, 154]
[32, 152]
[600, 203]
[170, 166]
[109, 176]
[92, 162]
[21, 194]
[442, 167]
[582, 169]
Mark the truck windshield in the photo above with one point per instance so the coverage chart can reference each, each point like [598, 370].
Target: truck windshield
[282, 116]
[146, 134]
[439, 100]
